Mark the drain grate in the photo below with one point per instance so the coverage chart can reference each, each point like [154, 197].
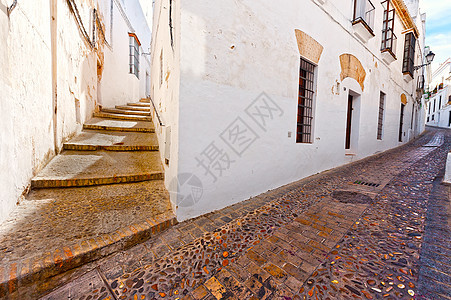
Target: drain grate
[360, 182]
[351, 197]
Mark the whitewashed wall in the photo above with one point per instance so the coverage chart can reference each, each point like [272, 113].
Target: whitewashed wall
[233, 51]
[165, 76]
[26, 127]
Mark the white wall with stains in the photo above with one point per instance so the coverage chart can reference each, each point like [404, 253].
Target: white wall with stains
[26, 127]
[233, 51]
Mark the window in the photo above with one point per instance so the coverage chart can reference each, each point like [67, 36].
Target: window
[449, 119]
[305, 102]
[409, 54]
[388, 35]
[440, 103]
[434, 105]
[380, 121]
[429, 107]
[432, 117]
[134, 54]
[364, 12]
[401, 122]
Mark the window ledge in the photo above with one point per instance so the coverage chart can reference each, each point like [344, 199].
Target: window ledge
[388, 56]
[361, 30]
[407, 76]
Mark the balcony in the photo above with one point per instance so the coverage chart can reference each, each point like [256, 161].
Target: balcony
[388, 47]
[363, 22]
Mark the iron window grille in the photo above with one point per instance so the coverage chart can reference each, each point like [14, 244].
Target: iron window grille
[364, 12]
[388, 35]
[380, 121]
[305, 102]
[409, 54]
[134, 54]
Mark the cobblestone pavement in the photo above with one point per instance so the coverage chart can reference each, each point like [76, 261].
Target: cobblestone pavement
[374, 229]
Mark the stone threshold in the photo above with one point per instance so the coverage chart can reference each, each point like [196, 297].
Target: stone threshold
[19, 274]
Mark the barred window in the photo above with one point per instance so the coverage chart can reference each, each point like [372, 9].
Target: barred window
[305, 102]
[380, 121]
[134, 54]
[409, 54]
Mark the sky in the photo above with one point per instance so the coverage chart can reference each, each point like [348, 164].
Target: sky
[438, 28]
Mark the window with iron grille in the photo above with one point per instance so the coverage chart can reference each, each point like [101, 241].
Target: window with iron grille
[388, 35]
[305, 102]
[134, 54]
[409, 54]
[380, 121]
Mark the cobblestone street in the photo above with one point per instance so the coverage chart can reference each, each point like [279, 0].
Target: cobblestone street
[375, 229]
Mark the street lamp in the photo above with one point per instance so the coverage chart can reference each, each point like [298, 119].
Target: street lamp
[429, 59]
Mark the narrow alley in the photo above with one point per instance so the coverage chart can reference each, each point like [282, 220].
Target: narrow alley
[375, 229]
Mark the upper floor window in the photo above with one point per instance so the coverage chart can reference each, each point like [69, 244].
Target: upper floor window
[388, 35]
[305, 102]
[134, 54]
[409, 54]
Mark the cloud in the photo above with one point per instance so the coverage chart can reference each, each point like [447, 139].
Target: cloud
[438, 28]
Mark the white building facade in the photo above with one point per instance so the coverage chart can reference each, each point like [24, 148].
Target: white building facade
[438, 97]
[60, 61]
[254, 95]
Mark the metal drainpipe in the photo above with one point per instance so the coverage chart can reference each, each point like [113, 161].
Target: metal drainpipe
[53, 37]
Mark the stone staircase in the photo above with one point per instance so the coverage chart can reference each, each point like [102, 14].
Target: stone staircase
[103, 193]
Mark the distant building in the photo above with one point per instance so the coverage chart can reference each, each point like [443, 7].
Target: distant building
[258, 94]
[438, 97]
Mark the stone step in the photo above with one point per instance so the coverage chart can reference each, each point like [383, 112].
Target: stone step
[118, 125]
[133, 108]
[125, 112]
[144, 100]
[140, 104]
[83, 168]
[122, 117]
[66, 228]
[91, 140]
